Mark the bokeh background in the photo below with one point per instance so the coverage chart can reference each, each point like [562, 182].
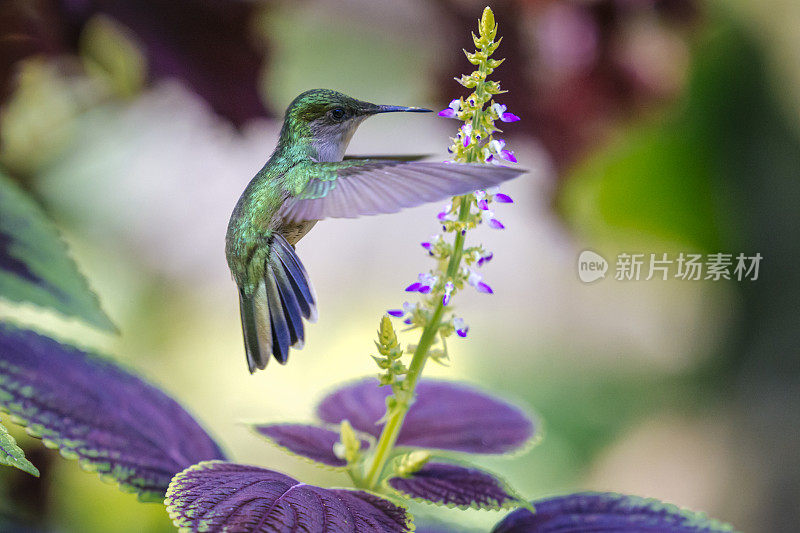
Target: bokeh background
[647, 125]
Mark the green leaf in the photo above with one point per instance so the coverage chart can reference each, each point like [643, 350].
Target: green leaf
[34, 263]
[12, 455]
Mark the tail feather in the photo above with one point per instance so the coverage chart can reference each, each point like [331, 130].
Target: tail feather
[256, 328]
[281, 336]
[249, 330]
[272, 316]
[292, 310]
[298, 276]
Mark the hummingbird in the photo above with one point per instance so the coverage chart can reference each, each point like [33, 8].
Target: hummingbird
[307, 179]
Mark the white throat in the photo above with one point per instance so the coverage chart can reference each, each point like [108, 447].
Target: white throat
[330, 143]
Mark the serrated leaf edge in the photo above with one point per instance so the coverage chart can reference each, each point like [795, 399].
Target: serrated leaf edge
[69, 452]
[67, 449]
[102, 321]
[17, 454]
[517, 502]
[655, 504]
[323, 466]
[174, 485]
[536, 420]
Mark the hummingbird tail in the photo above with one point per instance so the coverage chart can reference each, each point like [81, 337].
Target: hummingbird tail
[272, 317]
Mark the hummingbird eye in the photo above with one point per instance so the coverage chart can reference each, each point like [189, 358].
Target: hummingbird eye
[337, 113]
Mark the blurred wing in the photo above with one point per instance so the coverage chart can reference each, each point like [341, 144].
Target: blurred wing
[413, 157]
[352, 188]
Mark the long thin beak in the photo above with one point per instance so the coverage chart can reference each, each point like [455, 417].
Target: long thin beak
[393, 108]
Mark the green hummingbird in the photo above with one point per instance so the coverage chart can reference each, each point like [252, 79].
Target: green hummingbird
[307, 179]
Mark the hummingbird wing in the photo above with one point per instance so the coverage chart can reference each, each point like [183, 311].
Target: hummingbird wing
[413, 157]
[347, 189]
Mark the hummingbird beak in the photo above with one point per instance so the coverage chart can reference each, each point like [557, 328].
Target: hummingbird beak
[394, 108]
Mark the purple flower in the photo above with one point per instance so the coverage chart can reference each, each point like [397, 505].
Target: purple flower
[395, 312]
[466, 131]
[448, 290]
[446, 214]
[485, 258]
[496, 224]
[503, 198]
[502, 114]
[482, 202]
[430, 243]
[424, 285]
[508, 155]
[476, 280]
[452, 110]
[497, 147]
[460, 327]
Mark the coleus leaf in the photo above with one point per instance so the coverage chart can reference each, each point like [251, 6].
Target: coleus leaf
[219, 496]
[34, 263]
[223, 67]
[455, 485]
[597, 511]
[92, 410]
[444, 416]
[308, 441]
[11, 454]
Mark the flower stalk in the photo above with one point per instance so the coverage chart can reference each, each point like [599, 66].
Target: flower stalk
[475, 142]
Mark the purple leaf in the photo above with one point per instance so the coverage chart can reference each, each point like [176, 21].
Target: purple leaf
[223, 67]
[312, 442]
[589, 511]
[208, 45]
[92, 410]
[455, 486]
[445, 416]
[217, 496]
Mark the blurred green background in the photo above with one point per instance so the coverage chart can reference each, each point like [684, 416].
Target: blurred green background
[647, 126]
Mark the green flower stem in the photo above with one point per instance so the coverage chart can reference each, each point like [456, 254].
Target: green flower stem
[403, 398]
[397, 415]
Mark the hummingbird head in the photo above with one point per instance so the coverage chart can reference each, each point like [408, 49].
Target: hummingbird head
[328, 120]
